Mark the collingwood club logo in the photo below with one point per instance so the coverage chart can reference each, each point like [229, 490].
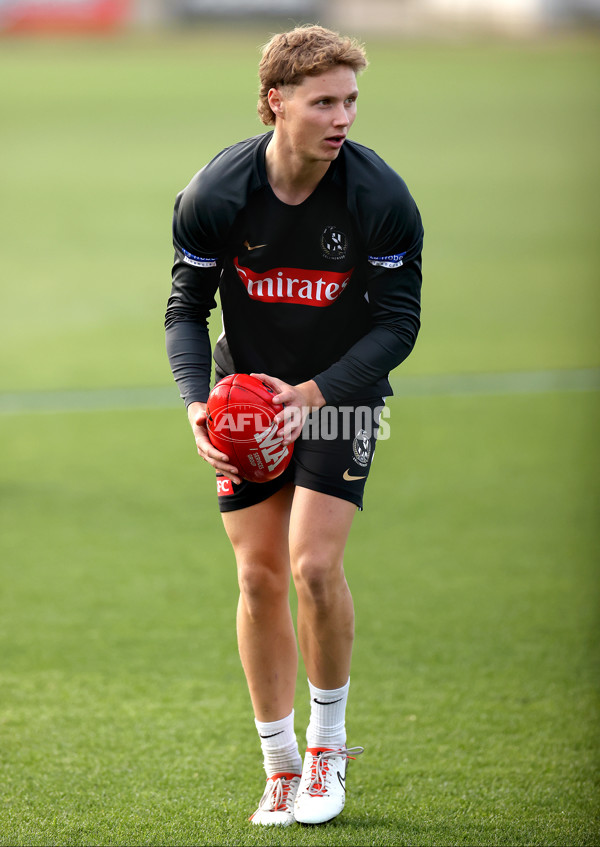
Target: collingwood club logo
[334, 243]
[361, 447]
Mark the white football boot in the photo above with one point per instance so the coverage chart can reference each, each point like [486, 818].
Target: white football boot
[322, 792]
[276, 807]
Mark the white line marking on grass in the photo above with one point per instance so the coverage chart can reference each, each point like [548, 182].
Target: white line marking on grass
[92, 400]
[427, 385]
[515, 382]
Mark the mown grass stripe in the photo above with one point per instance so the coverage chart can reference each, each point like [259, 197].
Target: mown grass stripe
[438, 385]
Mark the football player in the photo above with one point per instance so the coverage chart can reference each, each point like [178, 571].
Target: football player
[314, 243]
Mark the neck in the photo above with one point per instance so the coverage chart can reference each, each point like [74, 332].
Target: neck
[292, 178]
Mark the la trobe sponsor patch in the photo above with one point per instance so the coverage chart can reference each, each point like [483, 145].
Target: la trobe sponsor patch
[198, 261]
[394, 260]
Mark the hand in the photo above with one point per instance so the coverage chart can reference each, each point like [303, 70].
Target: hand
[210, 454]
[299, 401]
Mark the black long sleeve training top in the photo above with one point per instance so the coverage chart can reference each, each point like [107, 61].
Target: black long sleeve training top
[326, 290]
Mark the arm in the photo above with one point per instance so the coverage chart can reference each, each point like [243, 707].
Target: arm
[195, 281]
[394, 302]
[394, 305]
[391, 230]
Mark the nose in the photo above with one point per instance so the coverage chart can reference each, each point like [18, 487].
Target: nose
[341, 116]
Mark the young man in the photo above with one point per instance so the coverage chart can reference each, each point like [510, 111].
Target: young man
[315, 246]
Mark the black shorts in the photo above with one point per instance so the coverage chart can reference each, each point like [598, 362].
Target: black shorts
[333, 455]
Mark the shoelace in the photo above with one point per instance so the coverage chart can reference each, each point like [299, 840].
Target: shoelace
[320, 768]
[277, 797]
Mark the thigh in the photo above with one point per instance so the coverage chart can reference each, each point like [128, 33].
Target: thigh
[259, 533]
[319, 527]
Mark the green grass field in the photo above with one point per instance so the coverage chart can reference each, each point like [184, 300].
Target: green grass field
[124, 718]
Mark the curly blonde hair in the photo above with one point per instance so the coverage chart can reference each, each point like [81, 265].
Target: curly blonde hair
[304, 51]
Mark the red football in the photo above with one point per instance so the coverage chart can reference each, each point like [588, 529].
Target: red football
[240, 416]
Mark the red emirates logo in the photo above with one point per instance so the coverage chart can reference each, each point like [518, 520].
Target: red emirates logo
[294, 285]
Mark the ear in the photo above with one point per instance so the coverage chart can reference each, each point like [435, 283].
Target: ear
[276, 102]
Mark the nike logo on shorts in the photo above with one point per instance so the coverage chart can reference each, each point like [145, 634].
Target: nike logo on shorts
[349, 478]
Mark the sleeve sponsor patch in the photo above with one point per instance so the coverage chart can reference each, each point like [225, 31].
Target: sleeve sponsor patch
[198, 261]
[393, 261]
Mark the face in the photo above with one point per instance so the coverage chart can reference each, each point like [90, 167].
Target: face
[315, 116]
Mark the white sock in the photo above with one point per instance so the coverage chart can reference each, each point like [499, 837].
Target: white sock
[279, 746]
[327, 727]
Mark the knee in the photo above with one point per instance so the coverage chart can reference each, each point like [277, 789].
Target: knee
[317, 578]
[261, 585]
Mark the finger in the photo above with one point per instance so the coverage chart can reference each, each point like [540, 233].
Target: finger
[200, 418]
[230, 474]
[236, 479]
[290, 416]
[207, 451]
[289, 426]
[281, 419]
[272, 381]
[288, 435]
[206, 447]
[222, 466]
[288, 395]
[292, 429]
